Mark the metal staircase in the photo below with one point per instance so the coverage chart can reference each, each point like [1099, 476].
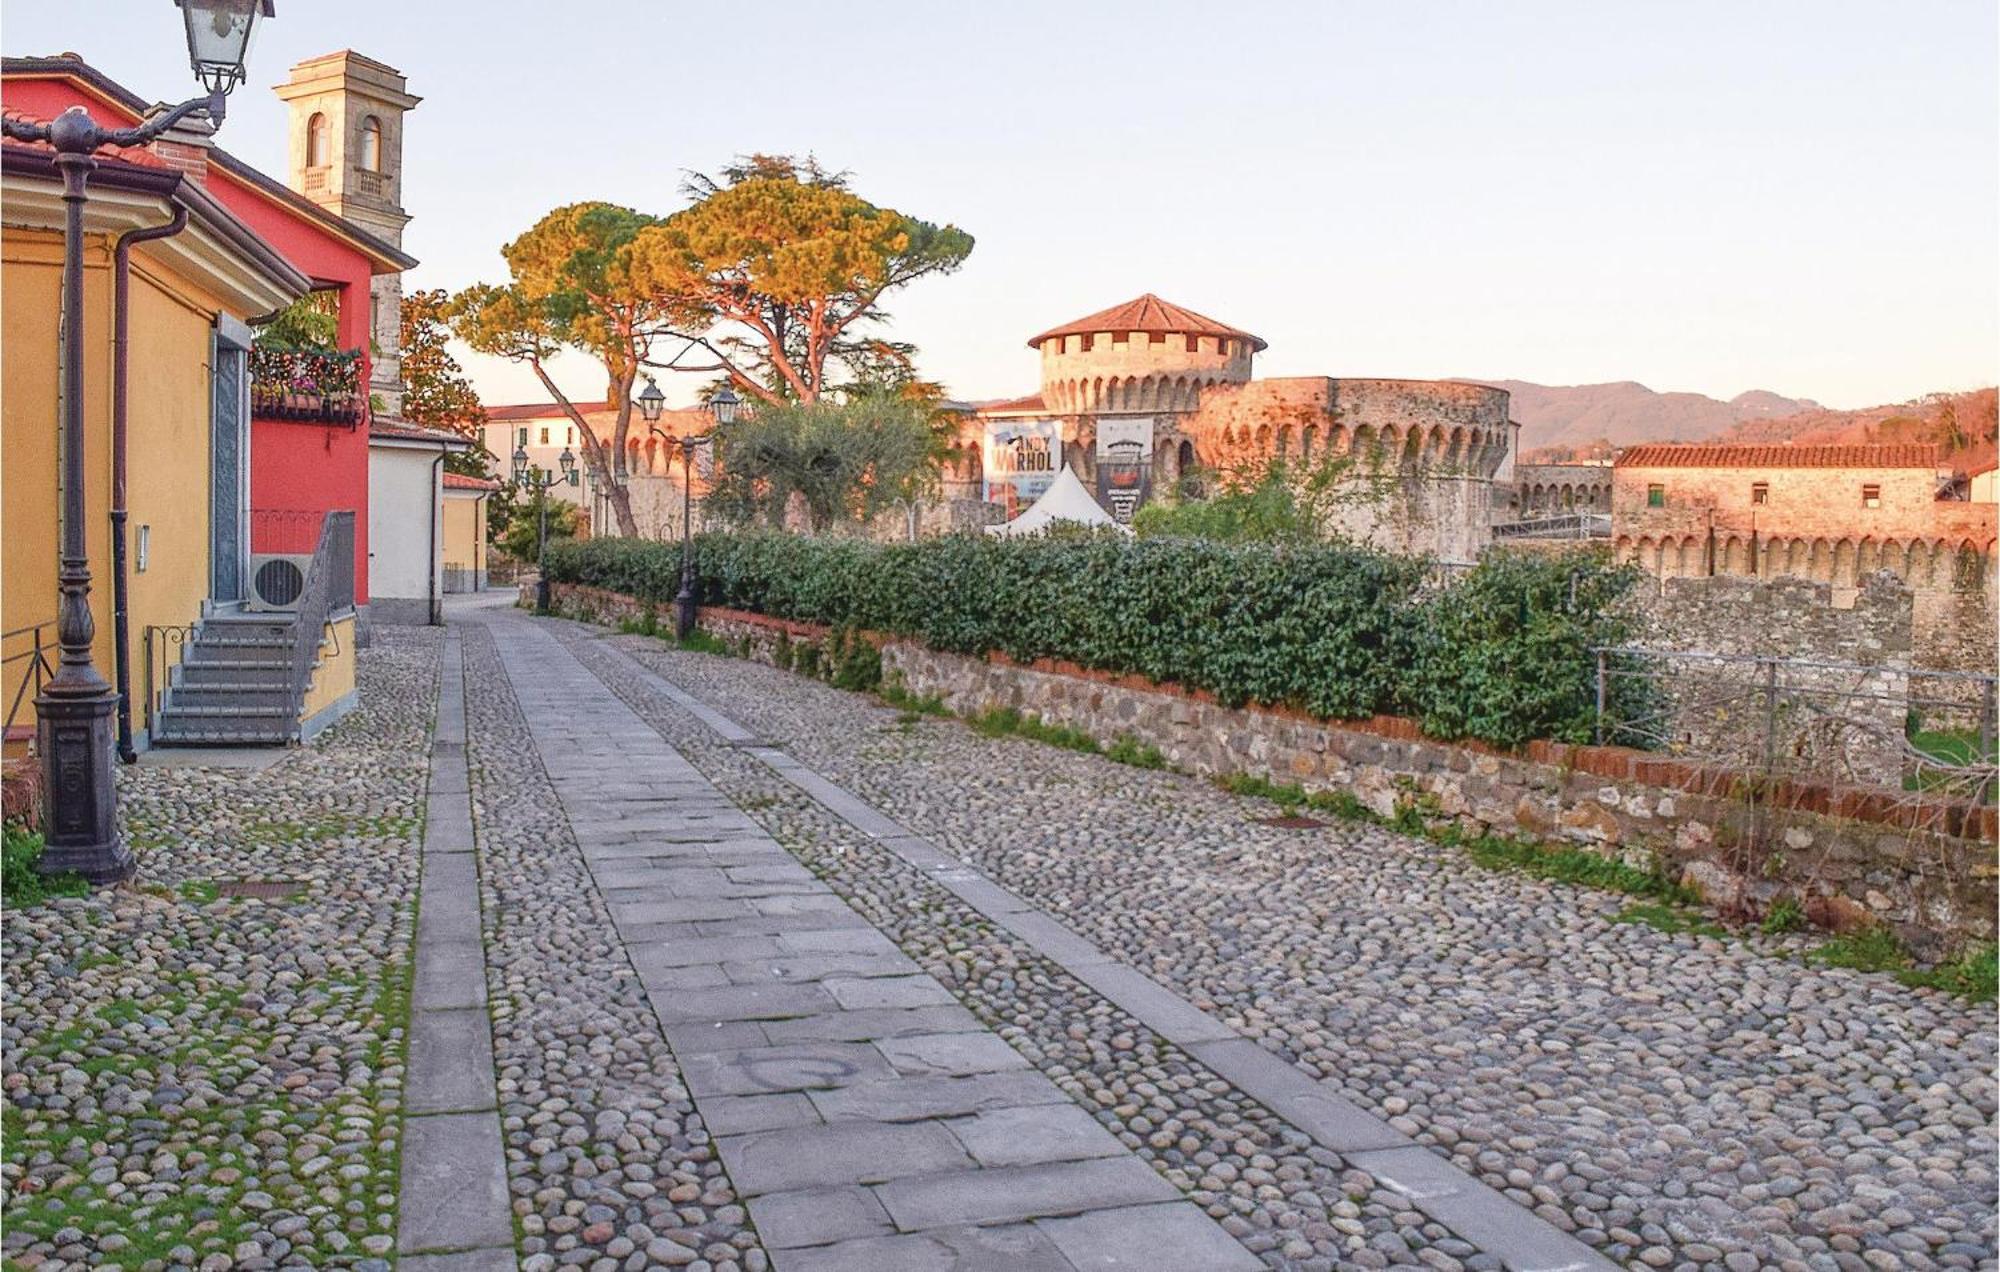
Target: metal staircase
[243, 676]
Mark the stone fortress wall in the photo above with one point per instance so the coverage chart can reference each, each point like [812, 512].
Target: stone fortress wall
[1550, 490]
[1426, 453]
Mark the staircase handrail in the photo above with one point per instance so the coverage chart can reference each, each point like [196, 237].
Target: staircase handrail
[329, 587]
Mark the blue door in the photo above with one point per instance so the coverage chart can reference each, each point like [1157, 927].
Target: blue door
[229, 470]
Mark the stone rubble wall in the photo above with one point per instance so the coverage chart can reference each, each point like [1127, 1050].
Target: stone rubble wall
[1853, 856]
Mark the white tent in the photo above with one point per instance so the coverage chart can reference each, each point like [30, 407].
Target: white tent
[1064, 500]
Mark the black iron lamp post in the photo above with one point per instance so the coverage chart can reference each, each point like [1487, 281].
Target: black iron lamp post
[75, 709]
[529, 477]
[722, 407]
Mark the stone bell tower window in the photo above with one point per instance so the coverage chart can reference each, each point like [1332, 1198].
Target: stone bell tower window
[316, 156]
[371, 145]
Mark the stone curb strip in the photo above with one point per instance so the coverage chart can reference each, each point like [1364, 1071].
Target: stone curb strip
[869, 1122]
[453, 1213]
[1524, 1241]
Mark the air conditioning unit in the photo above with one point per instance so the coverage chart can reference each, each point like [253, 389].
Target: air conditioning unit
[277, 579]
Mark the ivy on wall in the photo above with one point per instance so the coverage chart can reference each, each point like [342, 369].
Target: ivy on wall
[1503, 654]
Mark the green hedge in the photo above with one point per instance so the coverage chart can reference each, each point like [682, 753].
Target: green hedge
[1504, 654]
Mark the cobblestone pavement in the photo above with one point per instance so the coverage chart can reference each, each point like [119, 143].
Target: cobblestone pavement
[872, 1122]
[197, 1080]
[1675, 1101]
[1291, 1201]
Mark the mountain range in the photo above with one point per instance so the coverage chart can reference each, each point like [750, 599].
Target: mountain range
[1626, 412]
[1595, 420]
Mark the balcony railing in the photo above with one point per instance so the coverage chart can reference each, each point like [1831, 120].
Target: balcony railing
[307, 386]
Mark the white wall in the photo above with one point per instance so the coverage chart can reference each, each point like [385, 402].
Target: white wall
[405, 508]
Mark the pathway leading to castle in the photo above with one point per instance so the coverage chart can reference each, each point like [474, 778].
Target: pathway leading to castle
[865, 1115]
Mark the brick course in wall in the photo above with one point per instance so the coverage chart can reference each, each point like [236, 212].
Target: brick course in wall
[1854, 855]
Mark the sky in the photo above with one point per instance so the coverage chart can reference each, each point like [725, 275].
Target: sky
[1704, 195]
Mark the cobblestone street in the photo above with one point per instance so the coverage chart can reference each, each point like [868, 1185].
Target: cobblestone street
[716, 967]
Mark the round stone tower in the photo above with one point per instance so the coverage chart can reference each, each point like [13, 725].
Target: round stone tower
[1147, 355]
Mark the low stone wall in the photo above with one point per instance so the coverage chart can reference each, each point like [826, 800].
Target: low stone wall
[1853, 856]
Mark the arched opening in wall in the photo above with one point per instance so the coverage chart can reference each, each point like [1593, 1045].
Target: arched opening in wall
[653, 455]
[1307, 436]
[1336, 440]
[1735, 557]
[1365, 450]
[1893, 559]
[1690, 557]
[1966, 574]
[1263, 440]
[316, 141]
[1657, 558]
[371, 144]
[1569, 498]
[1819, 564]
[1867, 559]
[1433, 451]
[1184, 462]
[1284, 441]
[1795, 558]
[1413, 446]
[1843, 563]
[1454, 454]
[1622, 550]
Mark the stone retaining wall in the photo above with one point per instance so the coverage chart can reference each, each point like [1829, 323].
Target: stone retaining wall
[1852, 856]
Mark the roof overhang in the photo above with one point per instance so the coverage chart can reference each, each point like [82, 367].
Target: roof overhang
[383, 257]
[228, 256]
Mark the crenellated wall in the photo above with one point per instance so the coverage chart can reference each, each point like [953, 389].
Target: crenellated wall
[1137, 372]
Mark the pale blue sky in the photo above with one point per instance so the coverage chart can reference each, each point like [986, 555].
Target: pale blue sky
[1716, 196]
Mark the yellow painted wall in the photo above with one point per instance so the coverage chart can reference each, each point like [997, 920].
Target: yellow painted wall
[333, 679]
[465, 529]
[167, 455]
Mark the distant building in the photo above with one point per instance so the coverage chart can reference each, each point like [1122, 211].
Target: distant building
[1834, 514]
[1150, 400]
[544, 430]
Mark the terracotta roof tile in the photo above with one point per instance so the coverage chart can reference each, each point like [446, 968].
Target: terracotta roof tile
[1905, 455]
[402, 430]
[1032, 402]
[1151, 315]
[459, 481]
[539, 410]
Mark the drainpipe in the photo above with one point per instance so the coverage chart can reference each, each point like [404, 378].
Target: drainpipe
[120, 588]
[432, 567]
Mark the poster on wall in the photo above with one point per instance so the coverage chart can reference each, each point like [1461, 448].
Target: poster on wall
[1021, 459]
[1124, 465]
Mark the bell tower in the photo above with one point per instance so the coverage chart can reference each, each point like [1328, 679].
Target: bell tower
[347, 156]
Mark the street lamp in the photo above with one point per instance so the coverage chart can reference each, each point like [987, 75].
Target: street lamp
[529, 477]
[75, 708]
[722, 406]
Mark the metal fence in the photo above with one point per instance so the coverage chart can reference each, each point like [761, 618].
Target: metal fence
[1891, 728]
[1571, 525]
[24, 655]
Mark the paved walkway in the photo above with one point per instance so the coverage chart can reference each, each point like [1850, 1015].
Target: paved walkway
[870, 1120]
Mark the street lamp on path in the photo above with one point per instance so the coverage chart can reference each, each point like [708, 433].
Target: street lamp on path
[74, 710]
[722, 407]
[529, 477]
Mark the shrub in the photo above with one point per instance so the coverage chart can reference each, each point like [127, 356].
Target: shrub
[21, 884]
[1505, 654]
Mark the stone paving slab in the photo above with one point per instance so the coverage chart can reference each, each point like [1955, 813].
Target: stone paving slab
[1106, 1238]
[818, 1216]
[1014, 1248]
[843, 1153]
[451, 1062]
[452, 1197]
[831, 1062]
[1005, 1193]
[795, 1067]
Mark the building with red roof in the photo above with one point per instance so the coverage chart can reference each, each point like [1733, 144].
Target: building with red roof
[1152, 400]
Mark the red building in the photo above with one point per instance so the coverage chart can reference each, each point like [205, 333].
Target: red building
[308, 454]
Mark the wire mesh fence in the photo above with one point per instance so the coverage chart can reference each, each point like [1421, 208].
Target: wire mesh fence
[1790, 720]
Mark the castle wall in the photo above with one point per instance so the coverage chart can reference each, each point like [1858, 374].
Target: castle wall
[1136, 372]
[1548, 490]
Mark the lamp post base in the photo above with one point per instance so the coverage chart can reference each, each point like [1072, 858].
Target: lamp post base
[80, 833]
[684, 615]
[541, 596]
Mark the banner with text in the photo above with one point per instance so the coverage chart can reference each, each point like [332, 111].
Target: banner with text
[1022, 457]
[1124, 465]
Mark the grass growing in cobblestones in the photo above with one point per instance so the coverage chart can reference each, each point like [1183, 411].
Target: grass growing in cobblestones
[20, 882]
